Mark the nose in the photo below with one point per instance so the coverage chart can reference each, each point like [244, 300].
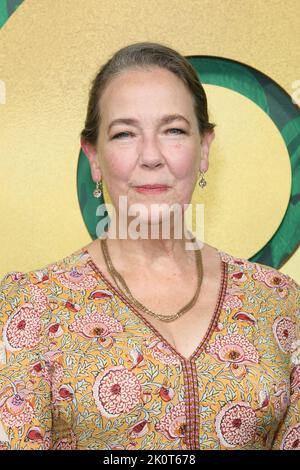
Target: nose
[150, 154]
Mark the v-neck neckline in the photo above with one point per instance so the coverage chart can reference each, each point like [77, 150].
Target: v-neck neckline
[213, 322]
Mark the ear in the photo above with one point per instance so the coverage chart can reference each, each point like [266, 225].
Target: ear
[90, 152]
[206, 141]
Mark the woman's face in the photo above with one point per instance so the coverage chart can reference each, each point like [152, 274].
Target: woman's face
[141, 141]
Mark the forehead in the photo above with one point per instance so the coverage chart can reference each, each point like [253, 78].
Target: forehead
[134, 88]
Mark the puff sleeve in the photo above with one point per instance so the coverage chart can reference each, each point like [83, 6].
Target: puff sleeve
[25, 385]
[287, 436]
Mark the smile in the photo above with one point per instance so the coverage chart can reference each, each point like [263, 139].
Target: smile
[151, 190]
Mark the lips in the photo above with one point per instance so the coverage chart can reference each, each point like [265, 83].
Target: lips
[152, 186]
[151, 189]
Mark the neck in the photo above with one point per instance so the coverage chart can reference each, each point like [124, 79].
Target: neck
[153, 253]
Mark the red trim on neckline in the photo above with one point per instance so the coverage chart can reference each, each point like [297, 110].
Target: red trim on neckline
[212, 324]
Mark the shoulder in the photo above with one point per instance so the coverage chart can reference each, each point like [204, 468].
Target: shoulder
[251, 275]
[265, 283]
[30, 300]
[261, 273]
[32, 283]
[269, 298]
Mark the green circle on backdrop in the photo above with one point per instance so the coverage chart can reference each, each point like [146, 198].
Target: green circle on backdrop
[274, 101]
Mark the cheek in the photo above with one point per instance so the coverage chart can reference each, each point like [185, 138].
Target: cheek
[118, 165]
[183, 161]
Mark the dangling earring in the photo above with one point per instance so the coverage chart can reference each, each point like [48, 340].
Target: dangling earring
[202, 181]
[98, 191]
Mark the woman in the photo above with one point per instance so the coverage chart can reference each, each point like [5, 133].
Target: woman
[142, 343]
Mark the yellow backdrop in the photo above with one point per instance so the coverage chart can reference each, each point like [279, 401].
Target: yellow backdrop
[49, 53]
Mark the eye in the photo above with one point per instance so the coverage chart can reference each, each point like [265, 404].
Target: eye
[117, 136]
[181, 131]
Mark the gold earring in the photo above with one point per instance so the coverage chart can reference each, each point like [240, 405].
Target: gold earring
[202, 181]
[98, 191]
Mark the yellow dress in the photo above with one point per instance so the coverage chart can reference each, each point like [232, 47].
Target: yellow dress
[80, 368]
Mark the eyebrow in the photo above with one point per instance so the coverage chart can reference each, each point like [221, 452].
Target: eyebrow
[134, 122]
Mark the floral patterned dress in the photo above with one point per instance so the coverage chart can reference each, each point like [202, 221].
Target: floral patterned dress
[80, 368]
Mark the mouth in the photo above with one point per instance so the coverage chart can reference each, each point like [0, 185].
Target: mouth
[151, 188]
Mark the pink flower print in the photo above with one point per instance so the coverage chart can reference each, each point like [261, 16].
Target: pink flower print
[37, 369]
[55, 330]
[35, 434]
[219, 326]
[136, 356]
[244, 262]
[282, 291]
[246, 317]
[139, 429]
[226, 257]
[116, 447]
[233, 349]
[72, 307]
[100, 294]
[131, 446]
[147, 396]
[236, 424]
[117, 390]
[236, 290]
[41, 275]
[166, 393]
[67, 443]
[96, 325]
[231, 353]
[16, 411]
[295, 384]
[234, 260]
[259, 273]
[5, 393]
[238, 370]
[263, 399]
[232, 301]
[77, 279]
[66, 393]
[17, 275]
[54, 355]
[272, 279]
[173, 423]
[161, 351]
[284, 330]
[53, 304]
[22, 329]
[38, 298]
[4, 446]
[239, 277]
[291, 438]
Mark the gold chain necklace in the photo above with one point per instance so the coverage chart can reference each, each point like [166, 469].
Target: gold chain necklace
[166, 318]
